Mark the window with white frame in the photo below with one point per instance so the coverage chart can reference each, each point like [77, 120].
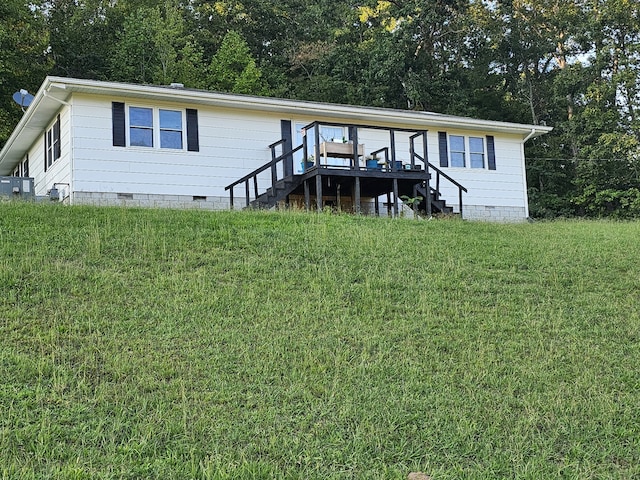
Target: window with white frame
[149, 127]
[140, 127]
[476, 152]
[171, 129]
[453, 151]
[22, 168]
[52, 150]
[458, 153]
[137, 126]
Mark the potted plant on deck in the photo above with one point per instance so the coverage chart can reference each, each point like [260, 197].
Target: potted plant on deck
[308, 163]
[372, 163]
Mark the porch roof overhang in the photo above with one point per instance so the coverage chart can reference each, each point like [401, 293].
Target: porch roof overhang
[57, 91]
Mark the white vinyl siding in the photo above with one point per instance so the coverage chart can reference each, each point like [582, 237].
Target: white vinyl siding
[59, 171]
[502, 187]
[231, 145]
[235, 142]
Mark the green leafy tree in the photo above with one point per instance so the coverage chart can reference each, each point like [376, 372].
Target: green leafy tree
[136, 58]
[23, 61]
[82, 37]
[233, 69]
[153, 47]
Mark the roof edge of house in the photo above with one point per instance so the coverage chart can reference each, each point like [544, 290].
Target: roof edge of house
[59, 89]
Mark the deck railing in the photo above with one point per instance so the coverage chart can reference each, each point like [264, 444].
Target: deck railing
[284, 162]
[253, 176]
[440, 174]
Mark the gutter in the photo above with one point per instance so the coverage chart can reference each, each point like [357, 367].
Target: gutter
[375, 115]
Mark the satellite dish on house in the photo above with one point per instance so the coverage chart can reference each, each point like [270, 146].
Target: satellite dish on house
[23, 98]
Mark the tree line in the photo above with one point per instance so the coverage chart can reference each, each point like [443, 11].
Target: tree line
[570, 64]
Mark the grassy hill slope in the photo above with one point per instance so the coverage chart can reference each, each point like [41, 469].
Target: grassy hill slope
[172, 344]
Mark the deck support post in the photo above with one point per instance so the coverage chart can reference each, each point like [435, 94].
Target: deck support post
[388, 204]
[338, 198]
[357, 199]
[376, 207]
[307, 196]
[319, 192]
[427, 174]
[395, 197]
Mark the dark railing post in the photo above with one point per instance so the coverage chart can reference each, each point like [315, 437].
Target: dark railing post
[392, 139]
[353, 136]
[246, 188]
[255, 186]
[317, 152]
[412, 151]
[274, 170]
[231, 198]
[305, 150]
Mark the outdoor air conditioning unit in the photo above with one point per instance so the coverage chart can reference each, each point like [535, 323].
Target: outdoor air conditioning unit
[21, 187]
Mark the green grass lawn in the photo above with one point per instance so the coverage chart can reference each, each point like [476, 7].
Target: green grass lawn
[244, 345]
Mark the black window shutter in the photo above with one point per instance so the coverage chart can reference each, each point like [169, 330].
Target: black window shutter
[442, 146]
[56, 139]
[193, 144]
[491, 152]
[118, 122]
[46, 145]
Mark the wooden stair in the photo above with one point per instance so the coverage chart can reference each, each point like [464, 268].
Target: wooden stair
[438, 205]
[277, 193]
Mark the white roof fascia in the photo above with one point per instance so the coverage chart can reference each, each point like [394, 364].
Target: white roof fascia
[375, 115]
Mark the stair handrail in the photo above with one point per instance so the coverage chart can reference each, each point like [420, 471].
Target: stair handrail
[440, 173]
[254, 174]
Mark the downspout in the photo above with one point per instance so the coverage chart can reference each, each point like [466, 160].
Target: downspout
[528, 137]
[524, 171]
[46, 94]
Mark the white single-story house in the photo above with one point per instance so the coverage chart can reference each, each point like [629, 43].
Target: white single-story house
[106, 143]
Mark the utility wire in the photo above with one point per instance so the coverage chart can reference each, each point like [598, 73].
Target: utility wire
[577, 160]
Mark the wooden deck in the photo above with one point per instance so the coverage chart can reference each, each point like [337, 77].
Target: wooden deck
[354, 181]
[358, 184]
